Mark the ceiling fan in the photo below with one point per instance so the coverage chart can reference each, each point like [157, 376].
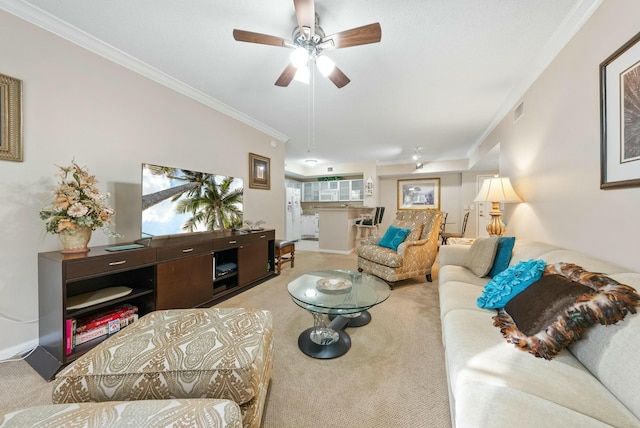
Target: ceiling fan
[309, 44]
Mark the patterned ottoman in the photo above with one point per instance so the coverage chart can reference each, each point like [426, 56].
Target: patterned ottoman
[184, 353]
[112, 414]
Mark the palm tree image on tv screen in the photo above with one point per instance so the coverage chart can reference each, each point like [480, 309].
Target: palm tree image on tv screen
[183, 201]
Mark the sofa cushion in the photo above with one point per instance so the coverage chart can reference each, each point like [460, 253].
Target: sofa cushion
[144, 413]
[393, 237]
[503, 255]
[183, 353]
[478, 359]
[601, 300]
[414, 227]
[481, 255]
[509, 283]
[508, 406]
[380, 255]
[611, 352]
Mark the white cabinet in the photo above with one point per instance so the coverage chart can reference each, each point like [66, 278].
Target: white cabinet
[311, 191]
[357, 190]
[339, 190]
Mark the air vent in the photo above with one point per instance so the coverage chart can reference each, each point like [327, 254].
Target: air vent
[518, 112]
[330, 169]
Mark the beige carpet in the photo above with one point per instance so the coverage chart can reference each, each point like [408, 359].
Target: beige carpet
[393, 375]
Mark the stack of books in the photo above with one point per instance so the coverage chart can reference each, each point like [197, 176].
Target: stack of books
[81, 330]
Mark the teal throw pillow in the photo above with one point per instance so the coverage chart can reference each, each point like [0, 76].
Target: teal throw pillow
[503, 255]
[508, 283]
[393, 237]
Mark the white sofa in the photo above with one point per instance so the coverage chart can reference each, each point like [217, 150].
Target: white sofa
[595, 383]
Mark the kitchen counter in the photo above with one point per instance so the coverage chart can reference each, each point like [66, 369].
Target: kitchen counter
[336, 226]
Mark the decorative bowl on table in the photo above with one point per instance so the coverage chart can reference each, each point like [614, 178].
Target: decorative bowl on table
[333, 284]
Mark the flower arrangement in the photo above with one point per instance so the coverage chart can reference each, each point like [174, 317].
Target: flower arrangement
[77, 203]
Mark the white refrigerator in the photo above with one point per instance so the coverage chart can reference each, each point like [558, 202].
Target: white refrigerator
[293, 212]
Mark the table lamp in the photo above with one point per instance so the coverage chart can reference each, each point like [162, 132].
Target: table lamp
[497, 190]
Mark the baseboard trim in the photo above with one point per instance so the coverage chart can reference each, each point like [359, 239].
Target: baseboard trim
[18, 350]
[346, 253]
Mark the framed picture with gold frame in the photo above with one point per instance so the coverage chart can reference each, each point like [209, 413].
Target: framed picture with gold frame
[259, 172]
[10, 119]
[421, 194]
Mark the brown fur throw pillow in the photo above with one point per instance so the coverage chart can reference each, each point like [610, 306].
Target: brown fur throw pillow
[568, 312]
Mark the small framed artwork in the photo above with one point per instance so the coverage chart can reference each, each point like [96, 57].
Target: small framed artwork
[419, 194]
[620, 117]
[10, 118]
[259, 172]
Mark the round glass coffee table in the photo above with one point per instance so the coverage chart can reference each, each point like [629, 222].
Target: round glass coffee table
[343, 296]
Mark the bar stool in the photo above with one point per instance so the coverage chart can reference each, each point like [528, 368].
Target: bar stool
[368, 225]
[284, 253]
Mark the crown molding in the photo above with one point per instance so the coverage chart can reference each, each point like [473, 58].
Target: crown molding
[48, 22]
[560, 38]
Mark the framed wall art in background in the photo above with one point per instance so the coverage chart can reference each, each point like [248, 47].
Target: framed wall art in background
[10, 119]
[620, 117]
[419, 194]
[259, 172]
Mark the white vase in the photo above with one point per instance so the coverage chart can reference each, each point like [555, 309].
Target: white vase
[75, 241]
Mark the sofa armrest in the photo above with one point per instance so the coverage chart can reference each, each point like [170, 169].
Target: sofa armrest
[371, 240]
[406, 245]
[453, 255]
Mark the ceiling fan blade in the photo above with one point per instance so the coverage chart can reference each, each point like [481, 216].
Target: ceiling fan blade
[306, 16]
[287, 76]
[263, 39]
[338, 77]
[371, 33]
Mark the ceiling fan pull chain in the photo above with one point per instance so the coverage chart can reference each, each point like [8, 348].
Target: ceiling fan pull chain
[310, 110]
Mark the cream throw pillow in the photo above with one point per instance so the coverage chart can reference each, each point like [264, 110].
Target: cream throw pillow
[481, 254]
[416, 229]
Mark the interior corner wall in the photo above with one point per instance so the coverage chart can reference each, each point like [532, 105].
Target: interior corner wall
[78, 105]
[552, 153]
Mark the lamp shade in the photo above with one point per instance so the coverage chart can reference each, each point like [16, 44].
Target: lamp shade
[497, 189]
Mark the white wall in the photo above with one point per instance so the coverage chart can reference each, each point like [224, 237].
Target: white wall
[456, 191]
[77, 105]
[552, 153]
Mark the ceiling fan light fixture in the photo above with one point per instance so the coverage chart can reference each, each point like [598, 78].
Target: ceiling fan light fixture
[325, 65]
[302, 74]
[416, 153]
[299, 57]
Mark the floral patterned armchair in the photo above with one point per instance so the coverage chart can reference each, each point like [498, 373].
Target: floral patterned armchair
[414, 257]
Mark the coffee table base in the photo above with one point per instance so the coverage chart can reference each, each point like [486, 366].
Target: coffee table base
[332, 350]
[326, 341]
[355, 320]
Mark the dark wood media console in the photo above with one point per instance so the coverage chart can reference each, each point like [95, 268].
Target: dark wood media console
[171, 273]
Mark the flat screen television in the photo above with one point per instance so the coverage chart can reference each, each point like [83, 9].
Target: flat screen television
[177, 201]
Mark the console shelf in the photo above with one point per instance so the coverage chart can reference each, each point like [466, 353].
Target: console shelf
[171, 273]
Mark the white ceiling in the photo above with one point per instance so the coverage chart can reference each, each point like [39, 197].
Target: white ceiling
[444, 73]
